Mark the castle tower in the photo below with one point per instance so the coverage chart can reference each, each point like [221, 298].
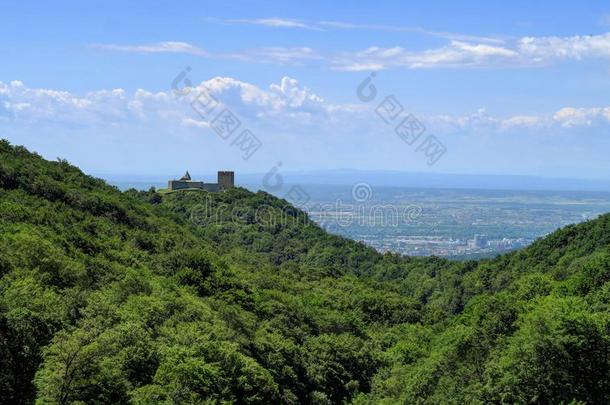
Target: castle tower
[226, 180]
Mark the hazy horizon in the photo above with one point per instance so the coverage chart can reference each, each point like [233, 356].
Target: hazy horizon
[380, 178]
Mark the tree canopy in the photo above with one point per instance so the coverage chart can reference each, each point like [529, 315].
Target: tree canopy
[195, 297]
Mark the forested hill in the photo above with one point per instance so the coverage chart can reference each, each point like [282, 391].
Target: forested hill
[237, 297]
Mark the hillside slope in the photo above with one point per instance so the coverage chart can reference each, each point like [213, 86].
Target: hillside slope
[136, 297]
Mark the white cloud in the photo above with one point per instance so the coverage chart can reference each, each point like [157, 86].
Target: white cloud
[278, 55]
[271, 54]
[288, 100]
[574, 117]
[526, 51]
[295, 96]
[284, 107]
[545, 49]
[457, 53]
[325, 25]
[523, 121]
[160, 47]
[416, 30]
[35, 105]
[565, 119]
[195, 123]
[271, 22]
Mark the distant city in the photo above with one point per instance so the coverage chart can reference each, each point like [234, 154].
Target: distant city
[452, 223]
[438, 246]
[431, 245]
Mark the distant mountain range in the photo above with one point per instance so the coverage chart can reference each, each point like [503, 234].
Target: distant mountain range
[384, 178]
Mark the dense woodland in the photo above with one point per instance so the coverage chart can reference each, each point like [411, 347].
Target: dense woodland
[236, 297]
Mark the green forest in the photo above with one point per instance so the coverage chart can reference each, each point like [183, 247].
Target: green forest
[110, 297]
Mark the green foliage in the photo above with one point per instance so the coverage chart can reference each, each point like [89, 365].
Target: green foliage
[559, 353]
[237, 297]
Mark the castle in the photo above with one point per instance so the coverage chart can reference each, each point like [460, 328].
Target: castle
[226, 180]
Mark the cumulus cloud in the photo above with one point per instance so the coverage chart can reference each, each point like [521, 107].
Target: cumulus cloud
[288, 100]
[574, 117]
[283, 107]
[286, 105]
[29, 105]
[565, 119]
[523, 121]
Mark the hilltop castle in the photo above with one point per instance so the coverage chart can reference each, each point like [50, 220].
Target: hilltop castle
[226, 180]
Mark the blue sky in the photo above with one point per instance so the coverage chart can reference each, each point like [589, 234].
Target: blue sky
[504, 87]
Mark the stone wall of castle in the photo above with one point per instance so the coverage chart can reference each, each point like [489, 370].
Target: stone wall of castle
[226, 180]
[184, 184]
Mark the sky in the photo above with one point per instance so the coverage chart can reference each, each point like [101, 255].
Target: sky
[487, 87]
